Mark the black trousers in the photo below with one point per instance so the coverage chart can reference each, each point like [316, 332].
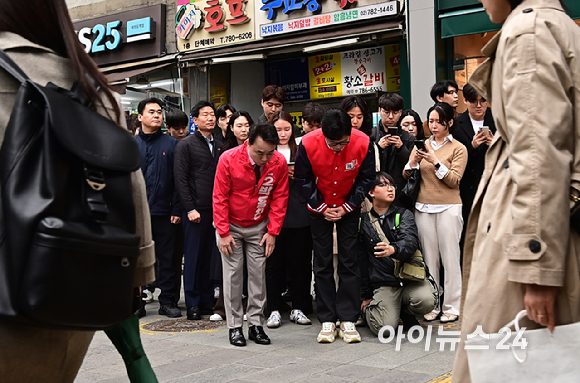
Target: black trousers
[344, 303]
[199, 246]
[292, 256]
[164, 237]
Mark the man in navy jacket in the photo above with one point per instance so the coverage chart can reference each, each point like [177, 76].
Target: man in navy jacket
[157, 152]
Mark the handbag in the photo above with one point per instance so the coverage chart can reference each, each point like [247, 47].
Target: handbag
[414, 268]
[409, 193]
[68, 248]
[524, 355]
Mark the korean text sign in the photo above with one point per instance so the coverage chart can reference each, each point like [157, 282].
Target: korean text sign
[213, 23]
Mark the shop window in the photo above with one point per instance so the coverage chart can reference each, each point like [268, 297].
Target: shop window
[467, 57]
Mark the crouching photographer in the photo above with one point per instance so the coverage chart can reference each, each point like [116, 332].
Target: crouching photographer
[394, 279]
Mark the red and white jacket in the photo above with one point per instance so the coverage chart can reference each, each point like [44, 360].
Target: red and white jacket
[330, 178]
[237, 198]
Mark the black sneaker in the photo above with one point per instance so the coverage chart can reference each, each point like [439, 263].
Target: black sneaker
[170, 310]
[141, 312]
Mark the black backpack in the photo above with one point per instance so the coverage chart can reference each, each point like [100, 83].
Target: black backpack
[68, 248]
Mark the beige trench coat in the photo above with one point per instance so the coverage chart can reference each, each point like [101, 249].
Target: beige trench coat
[30, 354]
[519, 230]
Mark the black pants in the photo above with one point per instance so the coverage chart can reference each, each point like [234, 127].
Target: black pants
[293, 256]
[199, 247]
[344, 303]
[164, 237]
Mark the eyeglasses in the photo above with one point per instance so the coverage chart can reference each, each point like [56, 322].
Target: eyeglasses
[335, 144]
[481, 102]
[388, 186]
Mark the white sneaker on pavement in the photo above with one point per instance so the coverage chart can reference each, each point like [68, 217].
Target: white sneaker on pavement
[327, 334]
[215, 318]
[147, 296]
[348, 332]
[275, 320]
[298, 317]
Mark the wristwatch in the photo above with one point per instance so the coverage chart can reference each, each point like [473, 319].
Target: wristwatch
[437, 165]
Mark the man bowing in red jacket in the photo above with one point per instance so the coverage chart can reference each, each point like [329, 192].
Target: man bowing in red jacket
[250, 197]
[336, 168]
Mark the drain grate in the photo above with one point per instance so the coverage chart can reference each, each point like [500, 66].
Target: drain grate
[183, 325]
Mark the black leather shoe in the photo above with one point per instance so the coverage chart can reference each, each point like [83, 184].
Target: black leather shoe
[170, 310]
[237, 337]
[193, 313]
[258, 335]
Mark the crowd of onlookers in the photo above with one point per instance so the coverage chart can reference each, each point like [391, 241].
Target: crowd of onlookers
[254, 209]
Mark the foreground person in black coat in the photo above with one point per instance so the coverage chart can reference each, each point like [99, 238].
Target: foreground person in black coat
[386, 298]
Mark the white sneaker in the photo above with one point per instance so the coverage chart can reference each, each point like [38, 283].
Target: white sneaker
[275, 320]
[298, 317]
[215, 318]
[348, 332]
[327, 334]
[147, 296]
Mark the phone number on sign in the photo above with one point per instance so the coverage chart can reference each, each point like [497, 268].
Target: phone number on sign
[238, 37]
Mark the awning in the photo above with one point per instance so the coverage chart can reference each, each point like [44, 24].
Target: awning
[393, 27]
[466, 22]
[474, 20]
[119, 76]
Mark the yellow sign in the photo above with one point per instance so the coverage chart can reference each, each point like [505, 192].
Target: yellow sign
[325, 75]
[393, 67]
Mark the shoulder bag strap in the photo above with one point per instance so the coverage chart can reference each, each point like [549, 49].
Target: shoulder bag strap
[10, 66]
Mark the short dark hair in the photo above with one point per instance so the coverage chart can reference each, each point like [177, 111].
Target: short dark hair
[175, 118]
[266, 130]
[441, 87]
[150, 100]
[445, 112]
[418, 122]
[469, 93]
[200, 105]
[274, 91]
[379, 178]
[391, 102]
[222, 109]
[336, 124]
[356, 101]
[313, 112]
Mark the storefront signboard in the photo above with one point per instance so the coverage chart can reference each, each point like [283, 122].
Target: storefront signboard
[359, 71]
[213, 23]
[325, 75]
[337, 18]
[292, 75]
[124, 36]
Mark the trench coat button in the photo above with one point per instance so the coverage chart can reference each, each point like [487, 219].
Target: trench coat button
[535, 246]
[506, 164]
[528, 10]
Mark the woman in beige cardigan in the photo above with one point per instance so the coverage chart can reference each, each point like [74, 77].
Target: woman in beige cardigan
[48, 51]
[438, 206]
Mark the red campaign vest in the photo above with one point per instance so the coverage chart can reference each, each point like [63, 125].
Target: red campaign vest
[335, 172]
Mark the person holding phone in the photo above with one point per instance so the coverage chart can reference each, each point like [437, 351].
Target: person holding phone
[395, 144]
[475, 130]
[293, 254]
[441, 162]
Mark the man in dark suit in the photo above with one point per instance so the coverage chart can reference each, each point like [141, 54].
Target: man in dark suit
[472, 133]
[195, 166]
